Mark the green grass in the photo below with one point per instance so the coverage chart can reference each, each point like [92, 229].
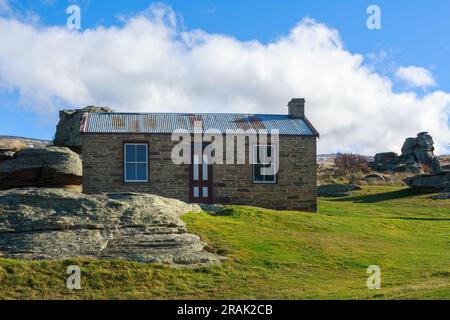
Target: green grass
[278, 255]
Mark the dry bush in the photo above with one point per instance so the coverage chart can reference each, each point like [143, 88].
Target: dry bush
[14, 145]
[426, 168]
[350, 162]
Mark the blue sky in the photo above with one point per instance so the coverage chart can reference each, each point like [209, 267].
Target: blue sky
[414, 33]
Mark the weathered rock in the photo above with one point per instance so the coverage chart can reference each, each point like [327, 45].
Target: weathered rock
[68, 128]
[375, 178]
[416, 153]
[59, 224]
[43, 167]
[385, 157]
[336, 190]
[435, 182]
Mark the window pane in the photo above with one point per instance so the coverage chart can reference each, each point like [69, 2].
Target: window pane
[130, 172]
[264, 154]
[141, 153]
[263, 161]
[257, 171]
[258, 158]
[196, 192]
[141, 172]
[130, 152]
[205, 192]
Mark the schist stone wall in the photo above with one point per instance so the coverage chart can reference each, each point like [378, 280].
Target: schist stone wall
[232, 184]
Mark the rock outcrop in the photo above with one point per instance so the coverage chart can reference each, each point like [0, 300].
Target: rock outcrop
[417, 153]
[375, 178]
[58, 224]
[68, 128]
[435, 182]
[42, 167]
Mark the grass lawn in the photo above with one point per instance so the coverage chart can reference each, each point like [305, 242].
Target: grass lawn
[278, 255]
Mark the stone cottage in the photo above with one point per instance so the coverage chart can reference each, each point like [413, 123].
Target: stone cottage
[129, 152]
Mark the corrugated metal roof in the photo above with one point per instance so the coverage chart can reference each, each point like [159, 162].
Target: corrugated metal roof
[169, 122]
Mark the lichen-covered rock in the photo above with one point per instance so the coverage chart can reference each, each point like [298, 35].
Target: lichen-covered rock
[376, 178]
[68, 128]
[42, 167]
[336, 190]
[416, 153]
[58, 224]
[385, 157]
[435, 182]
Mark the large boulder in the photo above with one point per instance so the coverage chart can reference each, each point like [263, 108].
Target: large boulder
[42, 167]
[421, 150]
[60, 224]
[376, 178]
[435, 182]
[385, 157]
[417, 155]
[68, 128]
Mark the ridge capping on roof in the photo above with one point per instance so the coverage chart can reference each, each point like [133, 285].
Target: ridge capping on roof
[155, 122]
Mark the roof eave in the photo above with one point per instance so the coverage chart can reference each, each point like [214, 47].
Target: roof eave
[311, 127]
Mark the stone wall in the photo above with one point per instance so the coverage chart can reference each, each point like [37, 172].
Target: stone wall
[103, 165]
[233, 184]
[296, 182]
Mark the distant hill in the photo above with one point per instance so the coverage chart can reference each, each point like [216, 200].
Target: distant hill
[329, 158]
[21, 142]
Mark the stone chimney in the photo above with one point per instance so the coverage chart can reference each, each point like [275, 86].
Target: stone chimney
[297, 108]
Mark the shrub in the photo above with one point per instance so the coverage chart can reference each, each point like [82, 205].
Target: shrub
[14, 145]
[351, 162]
[426, 168]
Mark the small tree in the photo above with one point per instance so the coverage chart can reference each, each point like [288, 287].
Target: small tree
[351, 162]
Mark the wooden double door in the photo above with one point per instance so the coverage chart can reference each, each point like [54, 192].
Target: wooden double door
[201, 178]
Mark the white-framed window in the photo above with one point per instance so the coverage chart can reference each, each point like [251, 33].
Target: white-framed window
[267, 152]
[135, 162]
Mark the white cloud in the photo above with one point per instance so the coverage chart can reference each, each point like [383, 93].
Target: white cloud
[415, 76]
[150, 64]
